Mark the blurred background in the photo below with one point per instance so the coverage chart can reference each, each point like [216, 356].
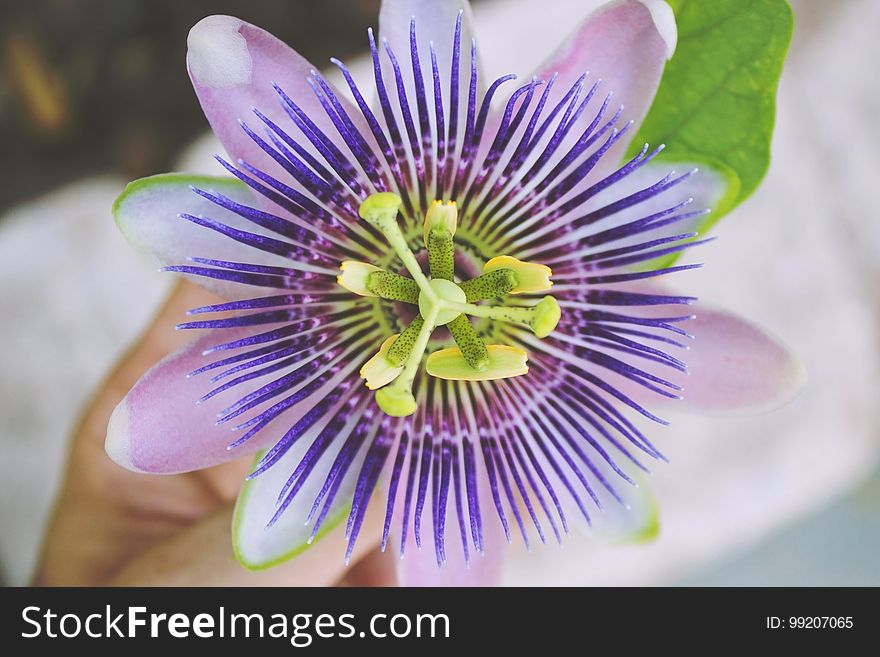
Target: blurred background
[95, 93]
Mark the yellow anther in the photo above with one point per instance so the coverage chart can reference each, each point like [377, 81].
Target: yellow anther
[530, 277]
[504, 362]
[353, 276]
[377, 371]
[441, 215]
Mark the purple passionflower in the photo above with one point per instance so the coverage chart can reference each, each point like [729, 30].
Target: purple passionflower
[388, 270]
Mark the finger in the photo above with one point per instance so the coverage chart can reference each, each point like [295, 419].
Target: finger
[202, 555]
[158, 340]
[90, 466]
[125, 511]
[221, 483]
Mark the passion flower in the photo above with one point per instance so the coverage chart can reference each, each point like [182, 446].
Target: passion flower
[450, 296]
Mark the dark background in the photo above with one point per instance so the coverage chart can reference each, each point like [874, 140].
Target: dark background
[100, 85]
[512, 621]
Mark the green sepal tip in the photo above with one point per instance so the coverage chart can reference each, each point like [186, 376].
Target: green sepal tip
[546, 317]
[380, 207]
[395, 401]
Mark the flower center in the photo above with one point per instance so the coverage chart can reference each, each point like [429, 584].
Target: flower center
[443, 302]
[446, 293]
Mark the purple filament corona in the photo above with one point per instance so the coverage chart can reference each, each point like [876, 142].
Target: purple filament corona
[536, 445]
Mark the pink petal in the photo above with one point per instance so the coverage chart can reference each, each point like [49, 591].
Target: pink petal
[736, 366]
[418, 567]
[733, 366]
[625, 44]
[435, 23]
[232, 65]
[147, 215]
[159, 428]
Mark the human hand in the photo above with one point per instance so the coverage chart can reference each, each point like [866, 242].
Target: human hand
[111, 526]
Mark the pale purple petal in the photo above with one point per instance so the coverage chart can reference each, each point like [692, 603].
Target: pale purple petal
[418, 567]
[233, 66]
[261, 538]
[159, 428]
[733, 366]
[596, 89]
[435, 25]
[625, 44]
[148, 215]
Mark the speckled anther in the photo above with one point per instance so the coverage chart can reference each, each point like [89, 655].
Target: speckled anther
[393, 286]
[469, 343]
[400, 349]
[490, 285]
[441, 254]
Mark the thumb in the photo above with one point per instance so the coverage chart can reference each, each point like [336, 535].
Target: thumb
[202, 555]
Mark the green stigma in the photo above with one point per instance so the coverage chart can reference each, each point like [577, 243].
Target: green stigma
[443, 301]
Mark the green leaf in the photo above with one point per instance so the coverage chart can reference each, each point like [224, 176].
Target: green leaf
[716, 103]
